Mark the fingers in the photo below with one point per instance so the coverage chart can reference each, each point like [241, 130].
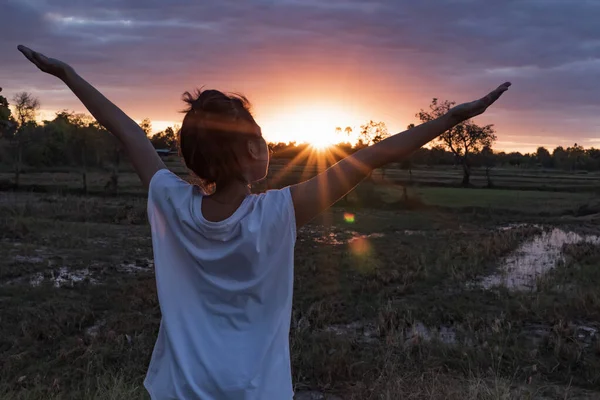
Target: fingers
[495, 95]
[40, 58]
[23, 49]
[504, 87]
[28, 53]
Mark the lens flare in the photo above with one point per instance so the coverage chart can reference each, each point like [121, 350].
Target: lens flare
[363, 256]
[360, 246]
[349, 218]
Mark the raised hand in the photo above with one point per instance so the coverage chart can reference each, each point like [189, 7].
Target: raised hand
[141, 153]
[50, 66]
[469, 110]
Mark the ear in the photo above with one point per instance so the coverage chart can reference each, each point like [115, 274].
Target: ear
[254, 150]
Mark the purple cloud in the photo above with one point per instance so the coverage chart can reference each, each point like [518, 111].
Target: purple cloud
[417, 49]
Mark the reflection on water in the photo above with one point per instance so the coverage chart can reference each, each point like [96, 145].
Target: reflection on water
[330, 239]
[29, 259]
[142, 265]
[585, 333]
[409, 232]
[365, 332]
[361, 331]
[419, 332]
[338, 238]
[95, 329]
[510, 227]
[520, 270]
[62, 277]
[357, 237]
[314, 395]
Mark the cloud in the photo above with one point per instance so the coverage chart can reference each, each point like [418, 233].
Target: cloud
[384, 50]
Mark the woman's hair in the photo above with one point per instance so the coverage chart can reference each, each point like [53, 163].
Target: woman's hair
[214, 130]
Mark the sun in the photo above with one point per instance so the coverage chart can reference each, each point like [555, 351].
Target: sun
[320, 142]
[314, 125]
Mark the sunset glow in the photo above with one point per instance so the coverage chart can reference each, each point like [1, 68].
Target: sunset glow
[320, 143]
[348, 66]
[312, 124]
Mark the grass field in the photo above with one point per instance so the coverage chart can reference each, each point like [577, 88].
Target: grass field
[453, 294]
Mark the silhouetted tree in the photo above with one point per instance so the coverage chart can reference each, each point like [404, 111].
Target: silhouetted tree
[559, 157]
[576, 157]
[166, 139]
[7, 123]
[26, 107]
[463, 139]
[112, 186]
[146, 126]
[594, 158]
[488, 161]
[543, 157]
[81, 141]
[373, 132]
[4, 107]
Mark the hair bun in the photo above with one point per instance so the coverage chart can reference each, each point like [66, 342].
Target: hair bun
[195, 105]
[216, 105]
[209, 101]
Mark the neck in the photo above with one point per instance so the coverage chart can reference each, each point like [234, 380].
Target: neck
[231, 192]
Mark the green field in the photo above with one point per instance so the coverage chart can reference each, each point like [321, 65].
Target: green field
[388, 307]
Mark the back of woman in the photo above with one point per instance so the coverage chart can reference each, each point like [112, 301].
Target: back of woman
[225, 292]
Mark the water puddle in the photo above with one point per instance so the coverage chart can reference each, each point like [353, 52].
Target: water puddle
[143, 265]
[341, 238]
[511, 227]
[409, 232]
[314, 395]
[324, 235]
[60, 278]
[416, 333]
[363, 332]
[586, 334]
[357, 237]
[29, 259]
[95, 329]
[330, 239]
[66, 277]
[583, 333]
[521, 269]
[419, 332]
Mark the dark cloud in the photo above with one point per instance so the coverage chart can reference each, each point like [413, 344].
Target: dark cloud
[550, 48]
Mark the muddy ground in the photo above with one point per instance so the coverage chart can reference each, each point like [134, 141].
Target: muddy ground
[433, 302]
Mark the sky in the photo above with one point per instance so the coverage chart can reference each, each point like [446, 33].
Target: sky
[309, 66]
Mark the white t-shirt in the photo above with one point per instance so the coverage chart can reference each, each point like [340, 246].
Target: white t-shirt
[225, 294]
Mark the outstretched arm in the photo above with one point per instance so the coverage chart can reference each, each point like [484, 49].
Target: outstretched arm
[137, 145]
[321, 192]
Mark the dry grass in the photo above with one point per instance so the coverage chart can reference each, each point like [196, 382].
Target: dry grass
[354, 307]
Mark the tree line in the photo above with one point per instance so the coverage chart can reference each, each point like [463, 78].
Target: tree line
[68, 140]
[77, 140]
